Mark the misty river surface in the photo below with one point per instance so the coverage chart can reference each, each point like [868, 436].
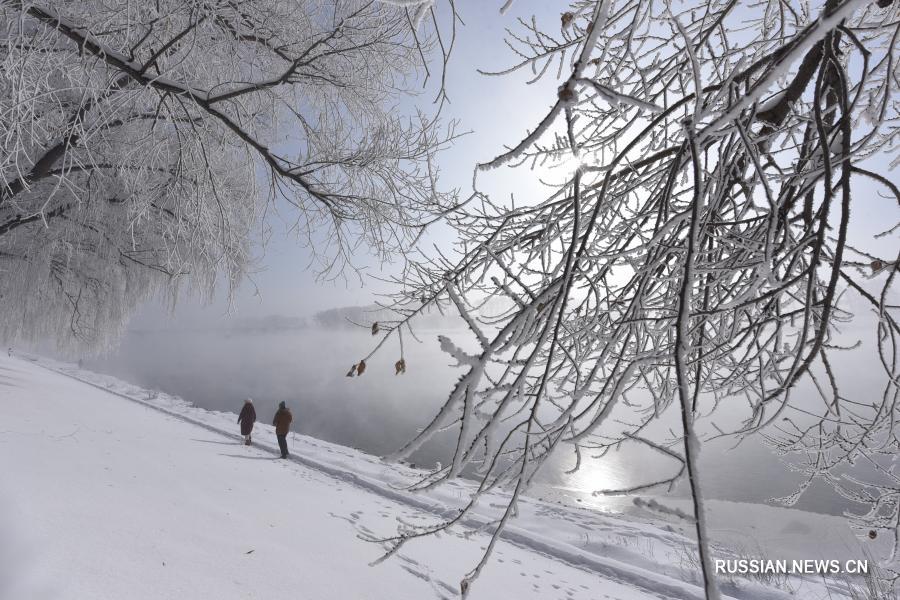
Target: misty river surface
[378, 412]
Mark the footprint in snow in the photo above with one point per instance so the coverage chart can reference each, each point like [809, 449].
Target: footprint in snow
[343, 518]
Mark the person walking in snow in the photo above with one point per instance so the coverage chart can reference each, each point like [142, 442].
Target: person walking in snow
[246, 419]
[282, 423]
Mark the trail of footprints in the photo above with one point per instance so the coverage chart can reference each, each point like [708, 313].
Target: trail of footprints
[555, 588]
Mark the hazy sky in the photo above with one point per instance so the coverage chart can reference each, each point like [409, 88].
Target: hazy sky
[496, 111]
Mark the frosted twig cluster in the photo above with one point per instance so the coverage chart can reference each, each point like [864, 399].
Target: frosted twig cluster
[142, 142]
[699, 260]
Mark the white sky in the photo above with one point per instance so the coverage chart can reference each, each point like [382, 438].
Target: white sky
[497, 111]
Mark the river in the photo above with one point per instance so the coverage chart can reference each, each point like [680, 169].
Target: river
[306, 368]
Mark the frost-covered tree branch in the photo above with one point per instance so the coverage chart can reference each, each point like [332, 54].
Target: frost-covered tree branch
[142, 143]
[700, 257]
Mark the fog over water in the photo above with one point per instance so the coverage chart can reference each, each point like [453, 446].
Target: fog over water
[306, 365]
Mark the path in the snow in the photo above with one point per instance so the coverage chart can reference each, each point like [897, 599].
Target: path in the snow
[616, 559]
[111, 499]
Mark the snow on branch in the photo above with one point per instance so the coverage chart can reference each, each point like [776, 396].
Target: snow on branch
[699, 263]
[142, 147]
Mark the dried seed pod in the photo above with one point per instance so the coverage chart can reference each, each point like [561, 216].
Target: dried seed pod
[375, 328]
[352, 371]
[566, 19]
[361, 367]
[876, 265]
[567, 94]
[400, 367]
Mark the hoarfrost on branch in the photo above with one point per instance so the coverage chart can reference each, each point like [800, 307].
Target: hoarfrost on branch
[698, 259]
[142, 144]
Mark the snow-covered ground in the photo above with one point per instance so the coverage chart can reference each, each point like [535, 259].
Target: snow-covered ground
[110, 492]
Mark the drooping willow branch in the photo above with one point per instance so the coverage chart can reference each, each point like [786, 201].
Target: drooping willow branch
[171, 129]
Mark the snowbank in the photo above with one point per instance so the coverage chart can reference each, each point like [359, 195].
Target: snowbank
[155, 498]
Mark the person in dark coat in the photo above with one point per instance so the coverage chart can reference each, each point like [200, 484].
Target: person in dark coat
[246, 419]
[282, 423]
